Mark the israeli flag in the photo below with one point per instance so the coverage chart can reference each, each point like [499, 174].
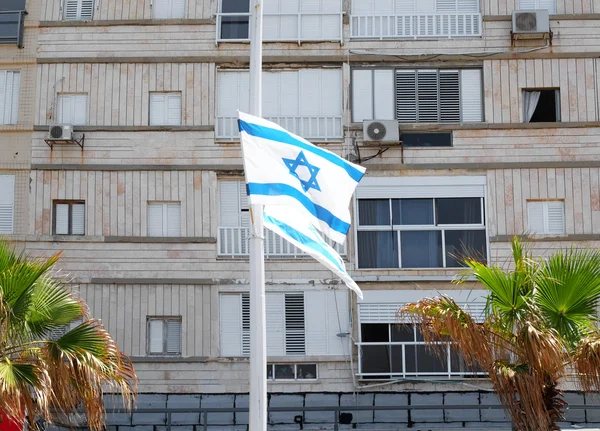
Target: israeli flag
[284, 169]
[292, 226]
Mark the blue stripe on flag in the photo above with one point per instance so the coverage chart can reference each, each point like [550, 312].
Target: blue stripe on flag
[301, 238]
[286, 138]
[323, 214]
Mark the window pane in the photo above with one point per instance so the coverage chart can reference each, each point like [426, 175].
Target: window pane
[375, 359]
[374, 212]
[374, 332]
[412, 211]
[307, 371]
[231, 6]
[9, 27]
[428, 361]
[234, 27]
[461, 244]
[421, 249]
[378, 249]
[284, 371]
[459, 211]
[403, 332]
[269, 371]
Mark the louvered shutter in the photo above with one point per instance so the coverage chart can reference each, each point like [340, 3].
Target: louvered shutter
[535, 217]
[157, 109]
[78, 219]
[174, 109]
[173, 336]
[7, 203]
[14, 102]
[424, 6]
[406, 96]
[362, 95]
[471, 103]
[246, 324]
[404, 7]
[330, 81]
[63, 109]
[229, 203]
[156, 336]
[449, 96]
[9, 96]
[549, 5]
[244, 213]
[3, 99]
[294, 324]
[427, 96]
[275, 324]
[79, 109]
[61, 222]
[468, 6]
[555, 214]
[72, 9]
[173, 227]
[155, 219]
[445, 6]
[527, 4]
[87, 9]
[362, 6]
[79, 9]
[231, 325]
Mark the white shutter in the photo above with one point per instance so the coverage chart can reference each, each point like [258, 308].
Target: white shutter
[79, 9]
[174, 109]
[229, 204]
[549, 5]
[404, 7]
[157, 109]
[63, 108]
[7, 203]
[155, 219]
[555, 215]
[173, 336]
[383, 88]
[231, 325]
[86, 10]
[10, 84]
[362, 6]
[156, 337]
[275, 324]
[424, 6]
[330, 81]
[535, 217]
[310, 92]
[173, 219]
[527, 4]
[445, 6]
[271, 95]
[72, 109]
[449, 96]
[244, 213]
[289, 91]
[61, 222]
[78, 219]
[4, 103]
[14, 98]
[406, 96]
[329, 316]
[162, 9]
[466, 6]
[316, 324]
[362, 95]
[71, 9]
[471, 103]
[294, 324]
[80, 107]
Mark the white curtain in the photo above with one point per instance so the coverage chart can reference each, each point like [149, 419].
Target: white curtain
[530, 102]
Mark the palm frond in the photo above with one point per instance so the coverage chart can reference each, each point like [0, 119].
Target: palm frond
[586, 361]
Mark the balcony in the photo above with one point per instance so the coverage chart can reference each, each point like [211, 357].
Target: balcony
[233, 242]
[311, 128]
[282, 27]
[11, 27]
[416, 26]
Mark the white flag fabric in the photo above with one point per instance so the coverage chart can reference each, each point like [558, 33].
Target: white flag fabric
[294, 227]
[284, 169]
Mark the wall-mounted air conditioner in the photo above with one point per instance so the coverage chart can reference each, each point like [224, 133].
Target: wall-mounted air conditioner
[60, 132]
[381, 132]
[530, 24]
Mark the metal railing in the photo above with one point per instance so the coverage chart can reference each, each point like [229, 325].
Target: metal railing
[415, 26]
[17, 21]
[290, 27]
[418, 348]
[312, 128]
[233, 242]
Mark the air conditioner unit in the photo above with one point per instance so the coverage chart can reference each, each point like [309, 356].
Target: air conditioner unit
[530, 22]
[377, 132]
[60, 132]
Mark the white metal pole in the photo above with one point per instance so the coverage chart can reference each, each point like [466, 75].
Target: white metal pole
[258, 330]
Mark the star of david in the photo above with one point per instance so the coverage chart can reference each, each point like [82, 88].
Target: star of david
[294, 164]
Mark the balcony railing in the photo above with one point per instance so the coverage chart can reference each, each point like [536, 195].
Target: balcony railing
[283, 27]
[415, 26]
[233, 242]
[409, 359]
[11, 27]
[312, 128]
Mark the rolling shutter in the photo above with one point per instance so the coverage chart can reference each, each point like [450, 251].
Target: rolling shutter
[165, 109]
[406, 96]
[164, 219]
[173, 225]
[155, 219]
[155, 337]
[471, 103]
[174, 109]
[10, 84]
[246, 324]
[294, 324]
[233, 204]
[329, 316]
[173, 336]
[231, 325]
[362, 95]
[427, 96]
[157, 109]
[72, 109]
[78, 219]
[549, 5]
[275, 324]
[7, 203]
[449, 96]
[169, 9]
[61, 222]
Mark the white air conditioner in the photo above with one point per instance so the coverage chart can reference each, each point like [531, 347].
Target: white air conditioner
[60, 132]
[376, 132]
[530, 22]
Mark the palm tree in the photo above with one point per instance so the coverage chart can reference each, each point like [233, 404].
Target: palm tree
[44, 375]
[541, 327]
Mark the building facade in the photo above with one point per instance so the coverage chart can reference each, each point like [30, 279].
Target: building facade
[499, 134]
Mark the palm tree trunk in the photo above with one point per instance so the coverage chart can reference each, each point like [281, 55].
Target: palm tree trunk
[554, 402]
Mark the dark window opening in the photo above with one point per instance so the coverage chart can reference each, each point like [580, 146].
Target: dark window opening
[12, 14]
[235, 26]
[541, 106]
[410, 140]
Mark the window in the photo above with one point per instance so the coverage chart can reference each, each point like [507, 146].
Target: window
[12, 15]
[164, 219]
[289, 332]
[546, 217]
[549, 5]
[411, 140]
[10, 84]
[284, 20]
[307, 102]
[417, 96]
[415, 228]
[292, 372]
[390, 347]
[72, 109]
[541, 106]
[78, 9]
[164, 335]
[169, 8]
[415, 18]
[165, 109]
[69, 218]
[7, 203]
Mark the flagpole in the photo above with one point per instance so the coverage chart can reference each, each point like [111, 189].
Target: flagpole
[258, 336]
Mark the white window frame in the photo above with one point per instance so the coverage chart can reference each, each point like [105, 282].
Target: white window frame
[165, 325]
[295, 366]
[80, 10]
[544, 207]
[421, 188]
[165, 218]
[70, 204]
[166, 97]
[75, 103]
[10, 92]
[171, 5]
[7, 204]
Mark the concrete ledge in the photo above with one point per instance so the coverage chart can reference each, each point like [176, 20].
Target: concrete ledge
[202, 128]
[185, 281]
[557, 17]
[479, 167]
[542, 238]
[167, 359]
[160, 240]
[127, 22]
[416, 127]
[131, 167]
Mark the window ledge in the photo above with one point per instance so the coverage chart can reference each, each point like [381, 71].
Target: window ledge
[120, 239]
[548, 238]
[130, 22]
[556, 17]
[435, 127]
[203, 128]
[167, 359]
